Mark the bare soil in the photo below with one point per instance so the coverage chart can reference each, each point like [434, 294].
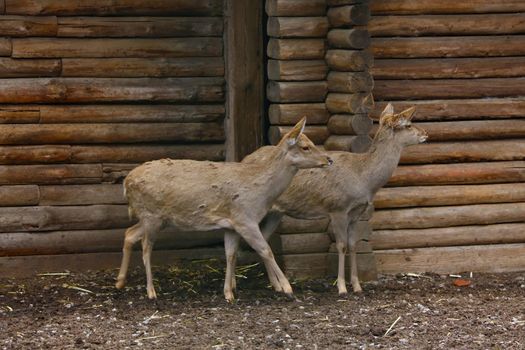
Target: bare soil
[85, 311]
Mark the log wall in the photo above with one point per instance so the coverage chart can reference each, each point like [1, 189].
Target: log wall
[455, 203]
[90, 89]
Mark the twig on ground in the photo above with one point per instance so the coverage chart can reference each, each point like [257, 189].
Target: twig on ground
[391, 326]
[65, 285]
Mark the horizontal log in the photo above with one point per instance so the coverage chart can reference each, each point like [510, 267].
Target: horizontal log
[142, 153]
[11, 196]
[423, 196]
[13, 114]
[343, 16]
[82, 90]
[350, 124]
[295, 8]
[305, 266]
[142, 67]
[462, 109]
[121, 114]
[459, 215]
[348, 103]
[91, 241]
[345, 2]
[474, 130]
[465, 173]
[166, 47]
[471, 24]
[10, 155]
[304, 243]
[356, 38]
[475, 151]
[21, 26]
[20, 68]
[297, 70]
[349, 60]
[297, 27]
[449, 88]
[418, 7]
[155, 27]
[438, 68]
[82, 194]
[50, 174]
[361, 247]
[291, 225]
[112, 7]
[289, 114]
[314, 91]
[448, 236]
[116, 172]
[356, 144]
[6, 47]
[295, 49]
[488, 258]
[467, 46]
[350, 82]
[318, 134]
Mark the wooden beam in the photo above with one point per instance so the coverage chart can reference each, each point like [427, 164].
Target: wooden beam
[297, 27]
[40, 154]
[356, 144]
[355, 38]
[290, 114]
[350, 82]
[22, 195]
[296, 49]
[349, 60]
[289, 92]
[304, 243]
[347, 103]
[350, 15]
[51, 174]
[295, 8]
[291, 225]
[82, 194]
[6, 47]
[350, 124]
[245, 77]
[21, 68]
[418, 7]
[299, 70]
[19, 114]
[21, 26]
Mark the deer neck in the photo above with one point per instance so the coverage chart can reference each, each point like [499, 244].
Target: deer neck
[382, 159]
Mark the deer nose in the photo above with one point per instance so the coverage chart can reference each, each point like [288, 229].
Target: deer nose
[330, 161]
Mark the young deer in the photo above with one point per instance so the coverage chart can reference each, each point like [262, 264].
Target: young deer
[343, 191]
[202, 196]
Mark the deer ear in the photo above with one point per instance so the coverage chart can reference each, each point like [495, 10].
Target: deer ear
[408, 113]
[388, 111]
[293, 135]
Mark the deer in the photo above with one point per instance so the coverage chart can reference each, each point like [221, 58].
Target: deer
[344, 191]
[195, 195]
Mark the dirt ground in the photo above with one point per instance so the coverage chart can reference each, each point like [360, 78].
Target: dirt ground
[84, 311]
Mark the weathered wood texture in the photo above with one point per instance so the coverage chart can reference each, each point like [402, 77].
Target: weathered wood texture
[350, 124]
[347, 103]
[417, 7]
[289, 114]
[300, 70]
[356, 38]
[297, 27]
[349, 60]
[343, 16]
[356, 144]
[287, 8]
[294, 49]
[350, 82]
[287, 92]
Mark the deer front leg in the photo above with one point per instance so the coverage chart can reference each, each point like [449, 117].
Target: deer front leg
[339, 224]
[352, 240]
[231, 245]
[132, 236]
[268, 226]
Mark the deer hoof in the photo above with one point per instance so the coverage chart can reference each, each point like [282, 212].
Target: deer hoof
[152, 294]
[230, 298]
[120, 283]
[358, 290]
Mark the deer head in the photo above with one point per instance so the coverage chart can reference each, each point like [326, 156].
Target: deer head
[302, 152]
[401, 125]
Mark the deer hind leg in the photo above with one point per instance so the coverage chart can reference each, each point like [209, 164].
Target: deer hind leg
[352, 240]
[253, 236]
[132, 236]
[151, 229]
[339, 224]
[231, 245]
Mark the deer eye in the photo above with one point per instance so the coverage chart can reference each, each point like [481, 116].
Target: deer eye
[305, 148]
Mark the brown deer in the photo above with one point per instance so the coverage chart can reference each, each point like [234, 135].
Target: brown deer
[202, 196]
[343, 191]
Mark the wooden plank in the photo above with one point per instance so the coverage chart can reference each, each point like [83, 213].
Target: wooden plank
[459, 215]
[114, 7]
[418, 7]
[99, 90]
[466, 46]
[305, 266]
[121, 113]
[356, 144]
[11, 196]
[296, 49]
[94, 241]
[344, 16]
[20, 68]
[51, 218]
[2, 7]
[422, 196]
[82, 194]
[449, 88]
[489, 258]
[142, 67]
[50, 174]
[304, 243]
[47, 154]
[286, 92]
[291, 225]
[142, 153]
[116, 172]
[349, 60]
[245, 76]
[297, 70]
[297, 27]
[133, 27]
[350, 124]
[21, 26]
[448, 236]
[438, 68]
[166, 47]
[464, 173]
[485, 24]
[5, 47]
[317, 133]
[22, 134]
[348, 103]
[350, 82]
[462, 109]
[19, 114]
[475, 151]
[295, 8]
[290, 114]
[355, 38]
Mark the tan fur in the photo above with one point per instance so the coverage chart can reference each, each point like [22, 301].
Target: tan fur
[202, 196]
